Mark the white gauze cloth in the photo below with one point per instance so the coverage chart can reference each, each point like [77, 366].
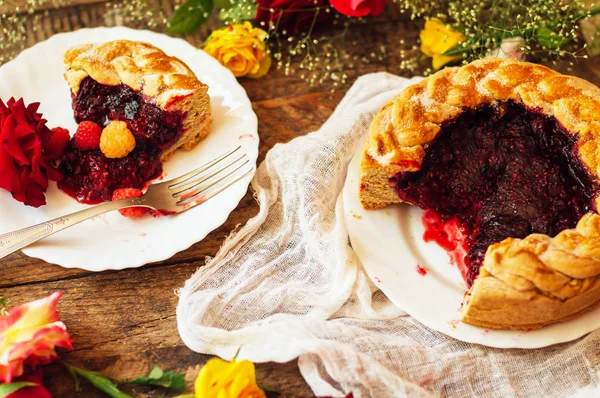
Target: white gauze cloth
[288, 285]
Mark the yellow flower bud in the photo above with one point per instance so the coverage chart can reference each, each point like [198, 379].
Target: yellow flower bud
[241, 49]
[436, 39]
[235, 379]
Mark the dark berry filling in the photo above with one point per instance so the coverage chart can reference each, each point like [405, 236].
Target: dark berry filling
[504, 171]
[91, 177]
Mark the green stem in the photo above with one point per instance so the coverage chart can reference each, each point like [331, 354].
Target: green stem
[8, 389]
[590, 13]
[99, 381]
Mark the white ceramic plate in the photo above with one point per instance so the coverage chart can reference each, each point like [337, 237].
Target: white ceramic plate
[389, 243]
[113, 241]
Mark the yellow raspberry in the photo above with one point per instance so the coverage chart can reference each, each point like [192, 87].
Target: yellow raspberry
[116, 140]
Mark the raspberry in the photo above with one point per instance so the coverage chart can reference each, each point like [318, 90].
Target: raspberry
[131, 212]
[87, 136]
[116, 140]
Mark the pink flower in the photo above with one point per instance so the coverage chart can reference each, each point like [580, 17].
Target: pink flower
[29, 335]
[358, 8]
[511, 47]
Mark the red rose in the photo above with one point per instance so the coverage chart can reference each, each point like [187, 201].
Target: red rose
[294, 15]
[27, 148]
[358, 8]
[38, 391]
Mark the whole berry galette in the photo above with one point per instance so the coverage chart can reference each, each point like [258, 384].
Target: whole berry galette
[509, 153]
[135, 106]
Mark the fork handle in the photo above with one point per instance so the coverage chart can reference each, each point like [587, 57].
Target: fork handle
[13, 241]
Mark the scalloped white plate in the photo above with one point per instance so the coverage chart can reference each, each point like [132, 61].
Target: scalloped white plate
[389, 243]
[112, 241]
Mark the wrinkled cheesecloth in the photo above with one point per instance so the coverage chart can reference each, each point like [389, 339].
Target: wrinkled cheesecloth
[288, 286]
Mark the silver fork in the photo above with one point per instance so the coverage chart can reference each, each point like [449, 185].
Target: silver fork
[169, 197]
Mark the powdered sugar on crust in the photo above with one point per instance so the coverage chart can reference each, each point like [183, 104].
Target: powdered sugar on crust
[138, 65]
[413, 118]
[545, 279]
[426, 101]
[381, 159]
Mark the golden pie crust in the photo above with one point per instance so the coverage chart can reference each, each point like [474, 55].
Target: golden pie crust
[163, 79]
[523, 283]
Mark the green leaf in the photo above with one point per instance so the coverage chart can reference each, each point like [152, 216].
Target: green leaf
[3, 302]
[240, 12]
[190, 16]
[458, 50]
[267, 389]
[224, 4]
[74, 376]
[99, 381]
[549, 39]
[159, 377]
[7, 389]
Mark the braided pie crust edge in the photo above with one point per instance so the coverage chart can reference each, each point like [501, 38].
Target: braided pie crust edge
[523, 283]
[162, 79]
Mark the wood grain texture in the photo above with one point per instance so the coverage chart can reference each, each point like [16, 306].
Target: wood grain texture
[123, 322]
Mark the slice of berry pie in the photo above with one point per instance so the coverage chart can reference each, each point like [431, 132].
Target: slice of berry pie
[135, 106]
[507, 154]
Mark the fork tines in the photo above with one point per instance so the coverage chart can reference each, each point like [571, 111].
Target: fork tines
[211, 178]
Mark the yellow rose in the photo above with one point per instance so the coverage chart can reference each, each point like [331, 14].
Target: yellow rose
[436, 39]
[221, 379]
[241, 49]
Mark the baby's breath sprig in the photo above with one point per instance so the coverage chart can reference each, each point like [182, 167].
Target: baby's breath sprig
[423, 8]
[146, 13]
[548, 29]
[315, 58]
[13, 23]
[315, 55]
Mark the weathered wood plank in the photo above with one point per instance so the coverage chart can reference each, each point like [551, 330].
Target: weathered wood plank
[20, 6]
[123, 323]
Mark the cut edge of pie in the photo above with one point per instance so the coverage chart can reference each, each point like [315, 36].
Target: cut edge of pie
[162, 79]
[523, 283]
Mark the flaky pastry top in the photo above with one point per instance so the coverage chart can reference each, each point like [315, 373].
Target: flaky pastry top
[559, 267]
[523, 283]
[138, 65]
[412, 119]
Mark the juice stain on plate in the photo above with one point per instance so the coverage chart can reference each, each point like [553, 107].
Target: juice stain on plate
[421, 270]
[449, 235]
[454, 323]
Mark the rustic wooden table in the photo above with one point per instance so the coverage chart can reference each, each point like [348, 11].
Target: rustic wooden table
[123, 322]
